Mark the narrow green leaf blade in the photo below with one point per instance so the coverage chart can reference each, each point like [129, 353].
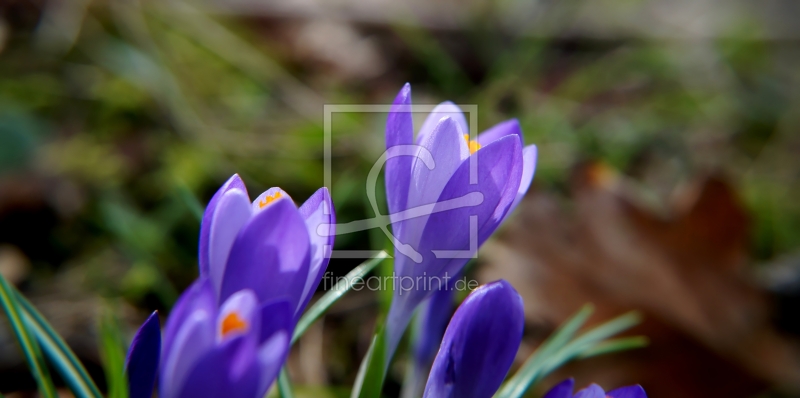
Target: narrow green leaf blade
[523, 379]
[371, 373]
[113, 354]
[616, 345]
[338, 290]
[284, 385]
[65, 361]
[589, 341]
[30, 347]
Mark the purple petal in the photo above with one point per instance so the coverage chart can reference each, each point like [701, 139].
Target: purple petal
[448, 148]
[194, 339]
[479, 345]
[499, 131]
[445, 109]
[270, 256]
[276, 316]
[271, 356]
[529, 155]
[205, 226]
[198, 297]
[141, 364]
[593, 391]
[433, 316]
[231, 214]
[229, 370]
[277, 327]
[244, 304]
[498, 172]
[399, 131]
[269, 197]
[562, 390]
[320, 220]
[628, 392]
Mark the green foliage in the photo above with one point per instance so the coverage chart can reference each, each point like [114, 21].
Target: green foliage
[562, 346]
[57, 351]
[30, 346]
[113, 352]
[372, 372]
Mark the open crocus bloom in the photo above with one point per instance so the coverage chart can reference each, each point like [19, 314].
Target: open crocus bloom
[229, 333]
[564, 390]
[268, 245]
[449, 196]
[232, 350]
[479, 345]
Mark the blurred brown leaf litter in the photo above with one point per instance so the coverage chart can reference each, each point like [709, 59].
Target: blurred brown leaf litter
[709, 323]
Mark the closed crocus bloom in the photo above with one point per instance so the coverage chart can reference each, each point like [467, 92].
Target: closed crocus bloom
[230, 350]
[141, 363]
[564, 390]
[450, 196]
[268, 245]
[479, 345]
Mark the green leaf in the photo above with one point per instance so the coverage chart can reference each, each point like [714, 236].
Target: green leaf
[561, 348]
[113, 353]
[342, 286]
[371, 373]
[284, 385]
[616, 345]
[523, 379]
[589, 341]
[57, 351]
[30, 347]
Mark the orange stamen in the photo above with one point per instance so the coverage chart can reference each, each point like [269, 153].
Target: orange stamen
[473, 144]
[269, 199]
[233, 323]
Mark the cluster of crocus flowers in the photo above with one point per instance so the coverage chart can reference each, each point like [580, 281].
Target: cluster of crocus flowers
[260, 262]
[450, 195]
[564, 390]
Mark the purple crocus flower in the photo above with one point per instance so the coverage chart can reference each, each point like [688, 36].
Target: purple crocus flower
[229, 333]
[268, 246]
[453, 203]
[564, 390]
[479, 345]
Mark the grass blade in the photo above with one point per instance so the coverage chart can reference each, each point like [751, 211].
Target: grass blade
[30, 347]
[523, 379]
[371, 373]
[113, 353]
[57, 351]
[616, 345]
[338, 290]
[591, 341]
[284, 385]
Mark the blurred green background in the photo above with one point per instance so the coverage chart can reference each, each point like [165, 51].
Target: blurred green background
[120, 118]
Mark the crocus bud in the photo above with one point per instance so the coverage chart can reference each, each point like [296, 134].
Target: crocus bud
[479, 345]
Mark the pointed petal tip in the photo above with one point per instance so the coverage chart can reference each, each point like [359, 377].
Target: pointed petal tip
[141, 363]
[404, 95]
